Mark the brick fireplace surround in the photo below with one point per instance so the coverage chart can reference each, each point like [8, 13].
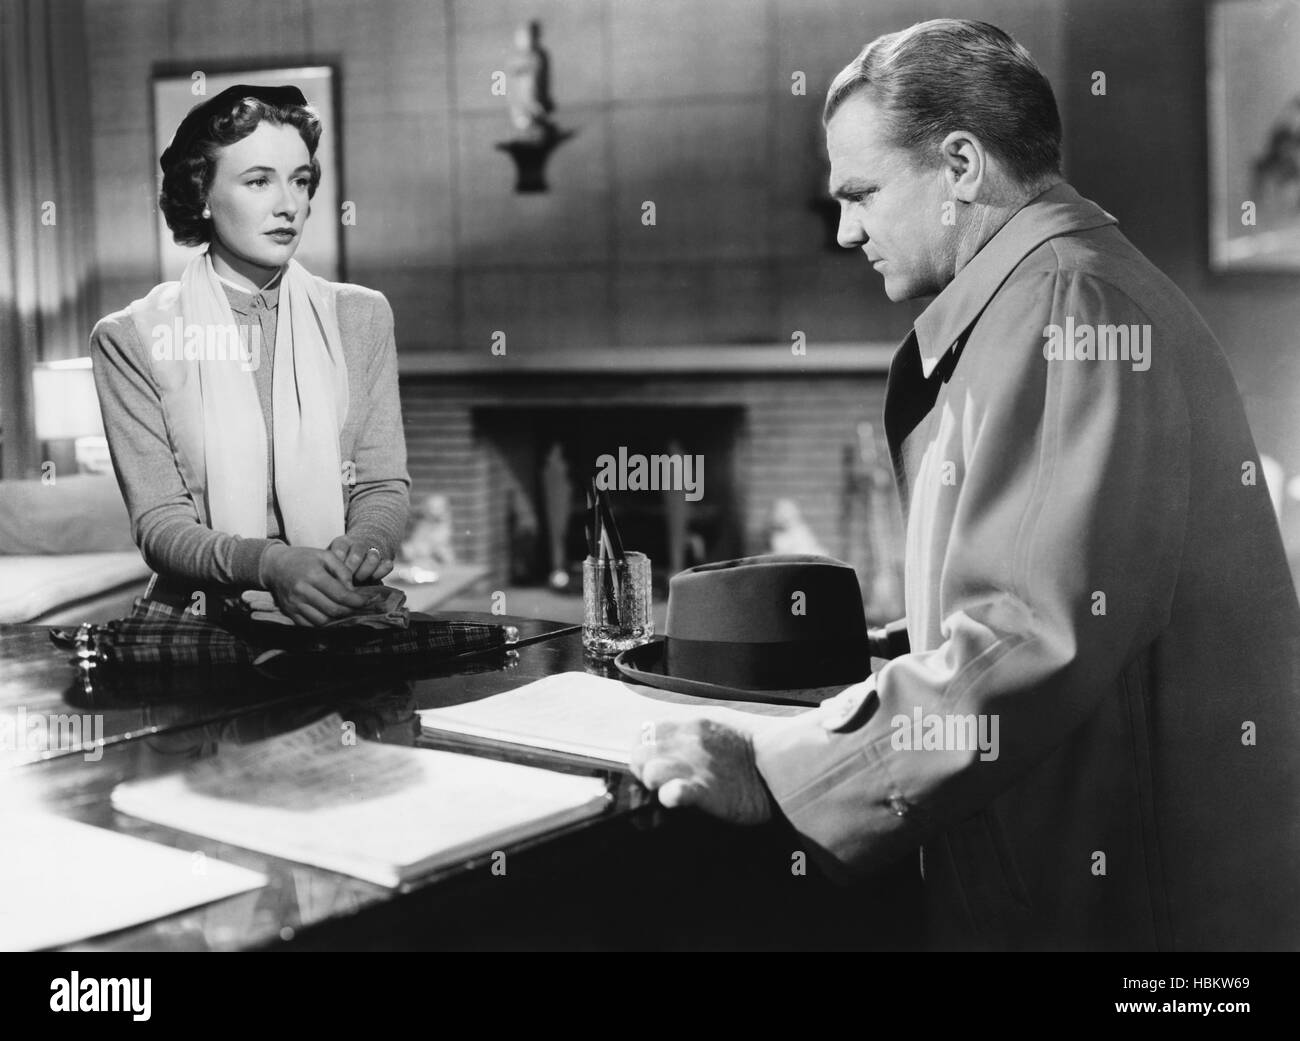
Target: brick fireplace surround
[791, 419]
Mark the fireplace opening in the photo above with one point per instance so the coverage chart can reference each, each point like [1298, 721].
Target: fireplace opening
[673, 476]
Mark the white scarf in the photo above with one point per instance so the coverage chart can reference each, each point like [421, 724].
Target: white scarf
[309, 403]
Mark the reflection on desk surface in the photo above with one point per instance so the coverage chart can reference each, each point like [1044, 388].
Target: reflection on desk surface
[49, 706]
[296, 895]
[79, 787]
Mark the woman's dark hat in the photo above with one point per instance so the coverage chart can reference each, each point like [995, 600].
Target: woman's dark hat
[196, 120]
[781, 627]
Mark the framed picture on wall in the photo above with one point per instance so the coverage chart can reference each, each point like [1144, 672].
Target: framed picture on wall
[174, 95]
[1254, 113]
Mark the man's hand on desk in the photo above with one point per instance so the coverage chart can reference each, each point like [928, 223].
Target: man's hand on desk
[707, 765]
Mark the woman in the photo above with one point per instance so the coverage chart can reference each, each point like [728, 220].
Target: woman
[252, 408]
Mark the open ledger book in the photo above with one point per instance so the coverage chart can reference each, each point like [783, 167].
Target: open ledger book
[589, 716]
[382, 813]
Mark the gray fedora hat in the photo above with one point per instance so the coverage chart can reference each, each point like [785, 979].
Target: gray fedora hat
[781, 628]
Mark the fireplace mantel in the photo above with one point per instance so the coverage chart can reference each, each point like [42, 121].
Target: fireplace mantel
[730, 358]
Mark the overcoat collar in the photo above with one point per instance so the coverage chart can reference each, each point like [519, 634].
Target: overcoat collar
[1057, 211]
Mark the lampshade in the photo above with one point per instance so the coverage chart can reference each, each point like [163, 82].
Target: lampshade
[65, 400]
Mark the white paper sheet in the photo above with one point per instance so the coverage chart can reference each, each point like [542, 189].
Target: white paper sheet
[588, 715]
[62, 881]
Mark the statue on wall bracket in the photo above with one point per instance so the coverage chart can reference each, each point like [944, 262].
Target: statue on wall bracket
[528, 91]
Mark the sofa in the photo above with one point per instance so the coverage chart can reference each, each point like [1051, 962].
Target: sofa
[66, 554]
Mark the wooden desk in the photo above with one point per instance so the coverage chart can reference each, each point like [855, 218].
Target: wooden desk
[638, 877]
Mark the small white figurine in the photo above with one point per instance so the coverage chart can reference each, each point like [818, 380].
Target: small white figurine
[428, 541]
[789, 532]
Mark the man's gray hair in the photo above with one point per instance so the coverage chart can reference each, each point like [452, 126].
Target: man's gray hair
[953, 74]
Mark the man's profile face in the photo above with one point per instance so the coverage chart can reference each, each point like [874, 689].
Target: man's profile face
[889, 207]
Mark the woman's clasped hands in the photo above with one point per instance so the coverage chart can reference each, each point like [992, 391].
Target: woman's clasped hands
[316, 586]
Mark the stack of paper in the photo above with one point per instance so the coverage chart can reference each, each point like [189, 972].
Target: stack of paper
[62, 881]
[383, 813]
[589, 716]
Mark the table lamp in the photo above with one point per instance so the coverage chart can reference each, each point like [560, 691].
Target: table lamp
[67, 409]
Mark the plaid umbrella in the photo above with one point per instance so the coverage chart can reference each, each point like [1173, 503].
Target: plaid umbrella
[160, 634]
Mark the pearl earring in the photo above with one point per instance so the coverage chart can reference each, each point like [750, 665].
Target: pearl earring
[207, 213]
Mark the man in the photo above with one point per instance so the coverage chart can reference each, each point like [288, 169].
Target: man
[1095, 577]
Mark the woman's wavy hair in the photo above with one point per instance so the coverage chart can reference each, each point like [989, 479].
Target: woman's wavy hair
[186, 184]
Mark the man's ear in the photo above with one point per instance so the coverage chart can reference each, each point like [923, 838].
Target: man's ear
[964, 165]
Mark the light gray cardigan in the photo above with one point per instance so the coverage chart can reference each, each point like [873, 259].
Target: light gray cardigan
[166, 523]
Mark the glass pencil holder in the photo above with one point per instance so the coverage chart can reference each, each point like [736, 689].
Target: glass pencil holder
[616, 604]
